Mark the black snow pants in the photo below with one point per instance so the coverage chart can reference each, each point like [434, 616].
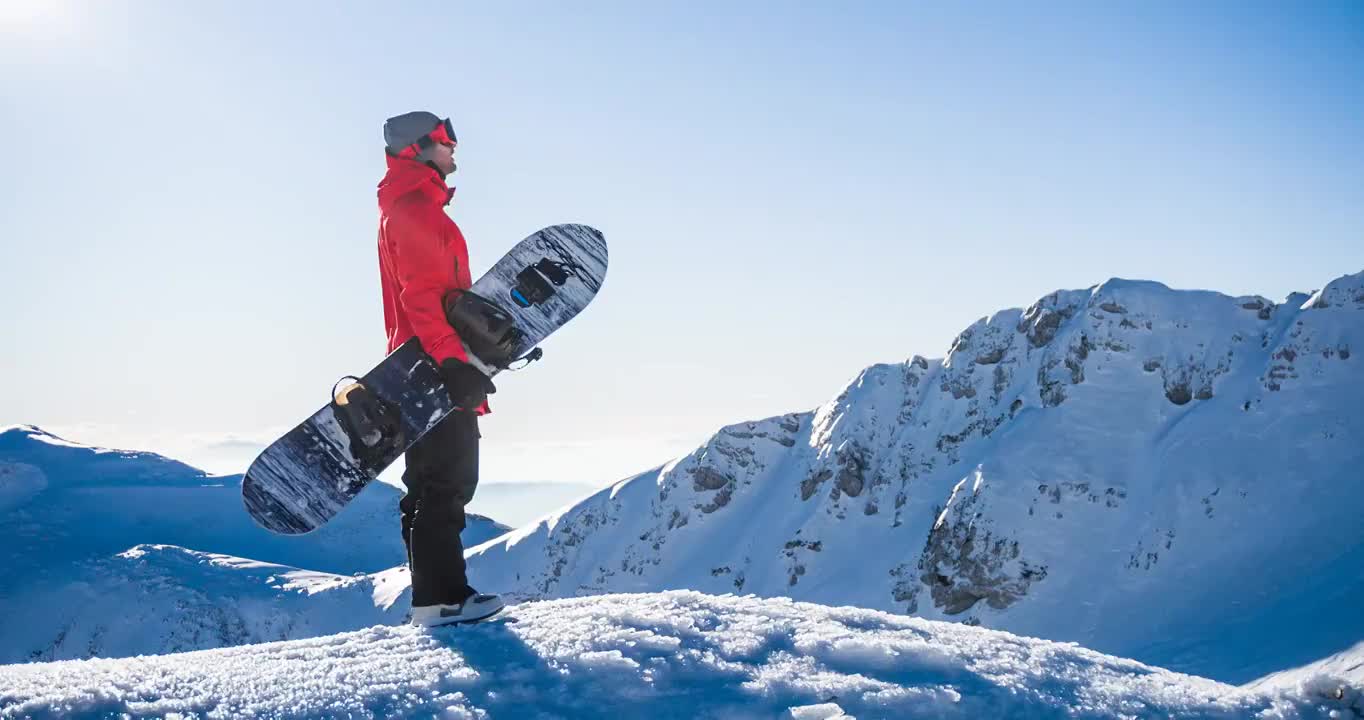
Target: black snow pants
[441, 476]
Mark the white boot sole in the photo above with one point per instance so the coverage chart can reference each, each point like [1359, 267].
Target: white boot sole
[456, 620]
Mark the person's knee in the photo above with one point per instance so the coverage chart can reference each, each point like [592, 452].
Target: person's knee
[465, 489]
[458, 480]
[442, 503]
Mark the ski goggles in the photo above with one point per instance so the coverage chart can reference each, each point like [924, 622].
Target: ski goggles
[444, 133]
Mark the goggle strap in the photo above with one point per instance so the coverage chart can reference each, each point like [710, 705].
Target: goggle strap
[427, 140]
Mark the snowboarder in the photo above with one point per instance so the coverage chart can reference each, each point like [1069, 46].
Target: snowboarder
[422, 257]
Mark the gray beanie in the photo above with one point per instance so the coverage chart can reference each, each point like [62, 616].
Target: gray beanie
[405, 129]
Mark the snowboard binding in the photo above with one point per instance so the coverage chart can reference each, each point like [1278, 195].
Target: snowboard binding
[566, 261]
[371, 423]
[485, 327]
[535, 284]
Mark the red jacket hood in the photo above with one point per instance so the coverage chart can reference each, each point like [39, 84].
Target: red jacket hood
[405, 176]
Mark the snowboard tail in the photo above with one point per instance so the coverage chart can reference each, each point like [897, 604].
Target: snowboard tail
[306, 477]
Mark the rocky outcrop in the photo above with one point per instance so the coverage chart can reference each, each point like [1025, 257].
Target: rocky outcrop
[967, 559]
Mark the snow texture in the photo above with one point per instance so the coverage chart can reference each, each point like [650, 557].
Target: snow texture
[1343, 668]
[677, 654]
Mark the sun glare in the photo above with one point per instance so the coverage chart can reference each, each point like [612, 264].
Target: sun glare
[19, 16]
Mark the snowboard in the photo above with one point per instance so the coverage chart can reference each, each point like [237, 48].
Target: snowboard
[303, 479]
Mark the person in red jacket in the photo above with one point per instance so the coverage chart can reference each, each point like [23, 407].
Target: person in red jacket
[422, 257]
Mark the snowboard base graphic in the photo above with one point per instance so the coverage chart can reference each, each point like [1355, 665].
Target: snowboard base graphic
[306, 477]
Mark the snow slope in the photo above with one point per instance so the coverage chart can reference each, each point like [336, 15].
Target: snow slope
[1174, 476]
[69, 512]
[155, 599]
[668, 655]
[1347, 666]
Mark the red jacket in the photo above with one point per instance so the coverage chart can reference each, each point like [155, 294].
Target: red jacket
[422, 256]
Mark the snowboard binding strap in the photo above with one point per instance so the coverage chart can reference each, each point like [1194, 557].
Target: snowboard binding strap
[528, 358]
[483, 326]
[566, 261]
[371, 423]
[535, 284]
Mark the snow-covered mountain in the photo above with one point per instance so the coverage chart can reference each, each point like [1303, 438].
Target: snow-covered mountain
[667, 655]
[155, 599]
[107, 553]
[1174, 476]
[1348, 666]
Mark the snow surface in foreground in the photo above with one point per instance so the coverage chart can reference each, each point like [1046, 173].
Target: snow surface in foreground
[1348, 665]
[673, 654]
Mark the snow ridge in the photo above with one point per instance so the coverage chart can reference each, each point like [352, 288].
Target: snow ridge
[1106, 466]
[667, 655]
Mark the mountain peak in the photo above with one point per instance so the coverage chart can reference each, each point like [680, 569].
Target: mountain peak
[26, 432]
[1116, 285]
[1110, 437]
[78, 464]
[1346, 291]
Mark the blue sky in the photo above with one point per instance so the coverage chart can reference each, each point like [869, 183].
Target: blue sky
[791, 191]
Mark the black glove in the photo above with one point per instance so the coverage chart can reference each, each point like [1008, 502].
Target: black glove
[468, 387]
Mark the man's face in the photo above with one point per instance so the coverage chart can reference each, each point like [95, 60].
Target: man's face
[443, 155]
